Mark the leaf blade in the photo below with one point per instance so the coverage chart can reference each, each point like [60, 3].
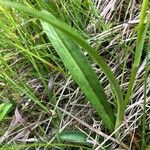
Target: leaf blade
[4, 110]
[73, 136]
[75, 61]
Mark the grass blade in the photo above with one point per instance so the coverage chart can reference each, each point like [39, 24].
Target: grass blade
[82, 72]
[147, 69]
[4, 110]
[139, 47]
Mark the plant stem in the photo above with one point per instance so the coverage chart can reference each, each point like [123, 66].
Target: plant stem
[145, 97]
[138, 52]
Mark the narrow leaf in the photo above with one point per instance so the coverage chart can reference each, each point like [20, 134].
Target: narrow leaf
[4, 110]
[142, 29]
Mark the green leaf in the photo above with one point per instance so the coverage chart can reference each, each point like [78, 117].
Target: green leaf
[147, 147]
[73, 136]
[82, 72]
[4, 110]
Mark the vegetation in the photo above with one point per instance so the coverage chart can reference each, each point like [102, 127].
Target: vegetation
[52, 49]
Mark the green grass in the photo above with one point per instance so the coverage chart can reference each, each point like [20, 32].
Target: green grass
[28, 56]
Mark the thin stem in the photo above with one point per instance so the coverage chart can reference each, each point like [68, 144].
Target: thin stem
[145, 98]
[138, 52]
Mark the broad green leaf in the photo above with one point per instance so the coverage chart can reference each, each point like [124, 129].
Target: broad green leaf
[73, 136]
[79, 137]
[4, 110]
[82, 72]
